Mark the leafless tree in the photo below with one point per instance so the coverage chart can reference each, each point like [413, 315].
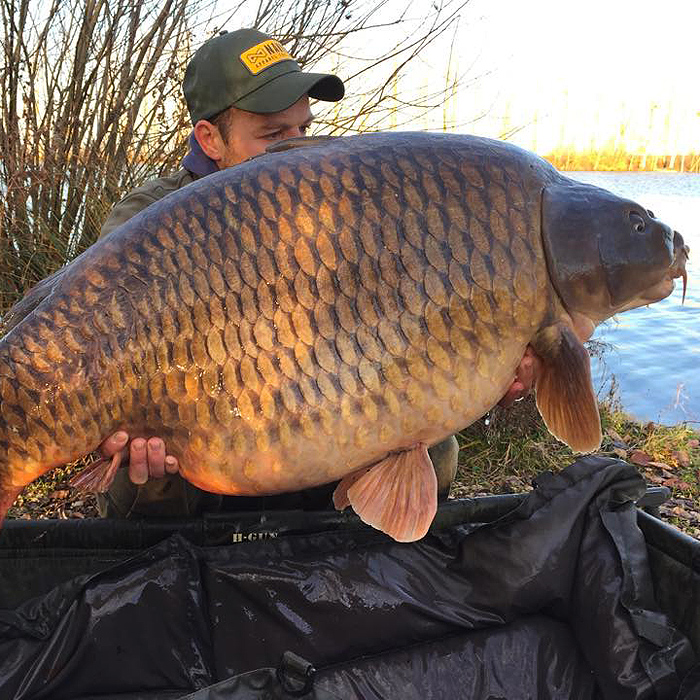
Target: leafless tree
[91, 105]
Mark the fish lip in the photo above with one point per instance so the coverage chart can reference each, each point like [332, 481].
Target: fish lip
[681, 255]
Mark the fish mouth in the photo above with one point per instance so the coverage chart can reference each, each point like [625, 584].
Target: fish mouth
[662, 289]
[681, 255]
[658, 292]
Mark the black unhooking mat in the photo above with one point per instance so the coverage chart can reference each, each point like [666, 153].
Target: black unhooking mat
[553, 600]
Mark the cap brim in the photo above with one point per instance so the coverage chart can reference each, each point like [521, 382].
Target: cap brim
[283, 91]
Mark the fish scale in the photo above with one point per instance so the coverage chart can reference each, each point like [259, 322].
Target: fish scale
[285, 322]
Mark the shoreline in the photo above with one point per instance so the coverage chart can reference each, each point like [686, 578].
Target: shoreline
[602, 161]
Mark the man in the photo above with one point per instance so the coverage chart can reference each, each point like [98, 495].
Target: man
[244, 93]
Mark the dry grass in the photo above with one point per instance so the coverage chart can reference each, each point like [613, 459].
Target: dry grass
[502, 452]
[51, 497]
[505, 454]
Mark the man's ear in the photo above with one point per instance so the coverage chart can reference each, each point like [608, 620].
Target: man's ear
[209, 139]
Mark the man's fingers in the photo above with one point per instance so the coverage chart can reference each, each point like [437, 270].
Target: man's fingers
[156, 457]
[172, 466]
[113, 444]
[527, 370]
[138, 461]
[147, 458]
[515, 391]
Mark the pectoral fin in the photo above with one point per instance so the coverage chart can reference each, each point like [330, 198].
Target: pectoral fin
[97, 476]
[397, 495]
[565, 396]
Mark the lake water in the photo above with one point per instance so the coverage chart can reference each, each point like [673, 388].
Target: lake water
[655, 353]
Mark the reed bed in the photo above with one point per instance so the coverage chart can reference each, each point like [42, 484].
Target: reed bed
[602, 160]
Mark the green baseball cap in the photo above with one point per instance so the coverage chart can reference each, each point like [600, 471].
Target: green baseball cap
[252, 71]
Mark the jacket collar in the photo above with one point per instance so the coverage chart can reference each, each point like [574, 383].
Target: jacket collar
[197, 161]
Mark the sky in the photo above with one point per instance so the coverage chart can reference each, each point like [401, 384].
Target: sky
[583, 73]
[551, 73]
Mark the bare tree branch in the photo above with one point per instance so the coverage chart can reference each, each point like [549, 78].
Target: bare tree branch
[91, 101]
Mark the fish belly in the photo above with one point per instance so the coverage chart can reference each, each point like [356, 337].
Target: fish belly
[333, 443]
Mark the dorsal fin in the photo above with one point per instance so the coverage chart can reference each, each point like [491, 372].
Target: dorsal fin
[30, 301]
[299, 142]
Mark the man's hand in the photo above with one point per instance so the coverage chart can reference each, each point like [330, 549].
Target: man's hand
[147, 458]
[525, 377]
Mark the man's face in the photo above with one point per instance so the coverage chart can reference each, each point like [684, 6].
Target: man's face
[249, 134]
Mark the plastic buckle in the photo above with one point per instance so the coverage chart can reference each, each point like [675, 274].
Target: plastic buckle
[295, 674]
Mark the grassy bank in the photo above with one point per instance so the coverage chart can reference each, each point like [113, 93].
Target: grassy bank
[503, 453]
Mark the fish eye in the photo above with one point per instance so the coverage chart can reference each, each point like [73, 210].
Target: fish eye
[637, 222]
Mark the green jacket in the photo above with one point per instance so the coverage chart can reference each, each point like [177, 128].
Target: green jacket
[170, 496]
[144, 196]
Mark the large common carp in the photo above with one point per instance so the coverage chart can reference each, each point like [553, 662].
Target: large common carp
[325, 313]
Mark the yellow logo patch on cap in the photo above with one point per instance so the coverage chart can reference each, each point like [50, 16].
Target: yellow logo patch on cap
[263, 55]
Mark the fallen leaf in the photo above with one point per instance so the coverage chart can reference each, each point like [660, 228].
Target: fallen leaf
[58, 494]
[617, 440]
[640, 458]
[693, 443]
[675, 483]
[654, 479]
[659, 465]
[622, 454]
[682, 457]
